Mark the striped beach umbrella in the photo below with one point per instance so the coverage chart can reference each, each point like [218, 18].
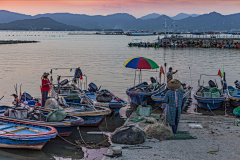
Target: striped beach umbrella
[140, 63]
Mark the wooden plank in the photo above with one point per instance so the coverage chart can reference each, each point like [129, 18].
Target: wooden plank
[19, 129]
[26, 128]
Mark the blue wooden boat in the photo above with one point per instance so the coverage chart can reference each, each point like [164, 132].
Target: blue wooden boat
[92, 115]
[24, 135]
[159, 97]
[64, 127]
[142, 92]
[234, 95]
[209, 102]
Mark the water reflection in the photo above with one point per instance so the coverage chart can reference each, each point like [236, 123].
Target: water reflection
[101, 58]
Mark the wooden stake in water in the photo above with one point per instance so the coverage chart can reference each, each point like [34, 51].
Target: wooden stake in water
[190, 76]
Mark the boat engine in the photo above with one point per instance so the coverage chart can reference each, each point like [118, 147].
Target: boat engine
[211, 83]
[93, 87]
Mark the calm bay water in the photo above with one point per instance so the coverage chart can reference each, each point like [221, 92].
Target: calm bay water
[101, 58]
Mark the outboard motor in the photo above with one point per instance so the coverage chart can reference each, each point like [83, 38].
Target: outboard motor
[92, 87]
[153, 80]
[184, 85]
[26, 96]
[237, 84]
[63, 82]
[211, 83]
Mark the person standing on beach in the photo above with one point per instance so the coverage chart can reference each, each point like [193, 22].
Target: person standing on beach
[45, 87]
[174, 99]
[170, 74]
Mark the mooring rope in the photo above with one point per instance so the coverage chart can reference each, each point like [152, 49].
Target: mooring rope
[69, 141]
[81, 136]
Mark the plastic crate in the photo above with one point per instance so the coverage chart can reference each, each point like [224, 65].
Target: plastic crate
[207, 94]
[144, 110]
[216, 95]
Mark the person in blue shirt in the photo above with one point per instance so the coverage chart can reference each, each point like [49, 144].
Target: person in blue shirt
[77, 75]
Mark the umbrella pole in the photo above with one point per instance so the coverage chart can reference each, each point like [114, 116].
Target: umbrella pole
[135, 77]
[139, 75]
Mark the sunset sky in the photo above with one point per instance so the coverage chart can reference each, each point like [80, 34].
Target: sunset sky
[136, 8]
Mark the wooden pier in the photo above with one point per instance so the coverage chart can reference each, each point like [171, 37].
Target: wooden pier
[16, 41]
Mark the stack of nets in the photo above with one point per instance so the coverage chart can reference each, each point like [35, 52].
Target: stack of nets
[159, 131]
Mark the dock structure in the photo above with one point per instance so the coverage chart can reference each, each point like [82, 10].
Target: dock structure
[17, 41]
[193, 40]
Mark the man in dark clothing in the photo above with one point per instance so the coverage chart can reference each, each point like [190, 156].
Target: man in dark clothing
[170, 74]
[78, 73]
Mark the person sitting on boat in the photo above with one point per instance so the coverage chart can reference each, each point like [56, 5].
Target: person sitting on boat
[174, 99]
[153, 84]
[45, 87]
[170, 74]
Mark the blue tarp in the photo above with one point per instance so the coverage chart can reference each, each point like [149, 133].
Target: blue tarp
[136, 97]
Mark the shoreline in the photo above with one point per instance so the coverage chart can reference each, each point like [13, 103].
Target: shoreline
[218, 131]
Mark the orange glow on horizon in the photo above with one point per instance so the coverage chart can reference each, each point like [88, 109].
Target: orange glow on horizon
[136, 8]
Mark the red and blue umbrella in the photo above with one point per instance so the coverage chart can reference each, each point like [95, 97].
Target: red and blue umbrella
[140, 63]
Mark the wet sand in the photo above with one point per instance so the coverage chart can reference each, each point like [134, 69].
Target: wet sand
[217, 131]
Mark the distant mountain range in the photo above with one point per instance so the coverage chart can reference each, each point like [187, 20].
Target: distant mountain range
[177, 17]
[67, 21]
[43, 23]
[183, 16]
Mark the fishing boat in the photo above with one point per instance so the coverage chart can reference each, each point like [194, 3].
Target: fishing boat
[64, 127]
[72, 91]
[93, 116]
[92, 112]
[234, 94]
[114, 103]
[135, 43]
[75, 94]
[210, 97]
[24, 135]
[143, 91]
[159, 97]
[206, 45]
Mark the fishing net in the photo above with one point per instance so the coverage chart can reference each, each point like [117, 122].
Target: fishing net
[159, 131]
[182, 135]
[151, 119]
[52, 103]
[237, 109]
[56, 115]
[73, 97]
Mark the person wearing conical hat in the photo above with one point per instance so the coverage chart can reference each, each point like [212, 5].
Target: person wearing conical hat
[174, 99]
[45, 87]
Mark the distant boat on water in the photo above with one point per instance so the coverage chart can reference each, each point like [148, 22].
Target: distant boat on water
[142, 34]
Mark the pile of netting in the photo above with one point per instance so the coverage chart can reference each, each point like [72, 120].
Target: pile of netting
[159, 131]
